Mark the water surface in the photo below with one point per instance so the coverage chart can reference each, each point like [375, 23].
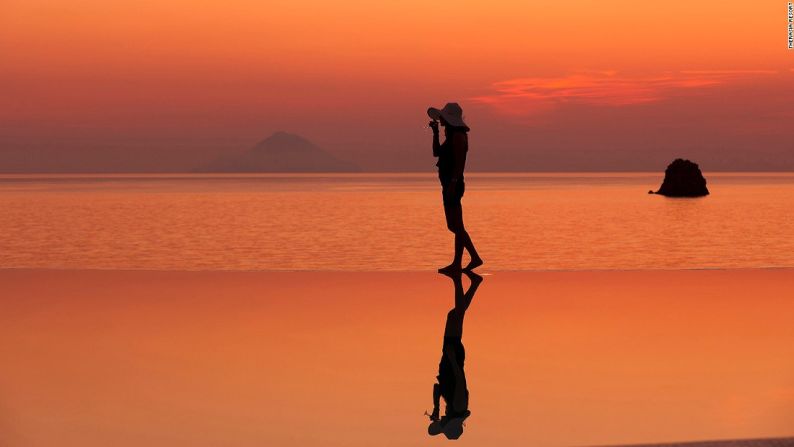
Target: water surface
[348, 359]
[390, 222]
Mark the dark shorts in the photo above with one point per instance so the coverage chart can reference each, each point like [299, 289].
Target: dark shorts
[450, 198]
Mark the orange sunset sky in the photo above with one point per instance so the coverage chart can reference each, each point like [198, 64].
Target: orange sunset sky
[165, 85]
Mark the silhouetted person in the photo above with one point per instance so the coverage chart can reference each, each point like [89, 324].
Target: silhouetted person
[451, 163]
[451, 377]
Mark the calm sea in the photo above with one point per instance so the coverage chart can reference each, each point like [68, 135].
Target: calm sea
[390, 222]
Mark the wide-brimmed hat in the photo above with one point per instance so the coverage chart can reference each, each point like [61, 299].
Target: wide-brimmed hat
[452, 114]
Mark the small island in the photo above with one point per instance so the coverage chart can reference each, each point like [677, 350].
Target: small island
[683, 178]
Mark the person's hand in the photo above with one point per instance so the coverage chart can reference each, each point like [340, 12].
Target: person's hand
[433, 125]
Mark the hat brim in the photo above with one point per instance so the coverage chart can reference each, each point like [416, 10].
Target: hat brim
[436, 114]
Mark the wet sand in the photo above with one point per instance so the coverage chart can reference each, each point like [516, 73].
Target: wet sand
[131, 358]
[765, 442]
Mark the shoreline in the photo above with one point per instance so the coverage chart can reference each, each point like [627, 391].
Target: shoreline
[480, 270]
[757, 442]
[417, 173]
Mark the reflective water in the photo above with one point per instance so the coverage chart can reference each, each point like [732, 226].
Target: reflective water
[349, 359]
[390, 222]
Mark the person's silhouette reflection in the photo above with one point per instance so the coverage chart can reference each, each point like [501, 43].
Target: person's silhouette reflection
[451, 376]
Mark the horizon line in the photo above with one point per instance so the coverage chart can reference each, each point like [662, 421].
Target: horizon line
[365, 172]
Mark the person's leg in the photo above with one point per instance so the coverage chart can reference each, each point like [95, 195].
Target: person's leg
[476, 260]
[463, 236]
[453, 215]
[475, 283]
[467, 243]
[458, 259]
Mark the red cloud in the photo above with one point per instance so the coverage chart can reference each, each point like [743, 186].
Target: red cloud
[526, 96]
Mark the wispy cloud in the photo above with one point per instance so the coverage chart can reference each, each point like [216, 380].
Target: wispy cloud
[728, 72]
[526, 96]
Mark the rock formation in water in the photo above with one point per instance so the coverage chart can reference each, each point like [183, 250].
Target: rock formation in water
[281, 152]
[683, 178]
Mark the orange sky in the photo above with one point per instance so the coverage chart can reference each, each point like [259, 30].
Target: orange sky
[626, 82]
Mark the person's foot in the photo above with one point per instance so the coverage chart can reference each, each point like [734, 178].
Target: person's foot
[473, 264]
[450, 269]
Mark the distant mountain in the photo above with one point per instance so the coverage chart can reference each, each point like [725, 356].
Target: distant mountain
[281, 152]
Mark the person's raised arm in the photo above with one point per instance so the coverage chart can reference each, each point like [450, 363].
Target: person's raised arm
[436, 144]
